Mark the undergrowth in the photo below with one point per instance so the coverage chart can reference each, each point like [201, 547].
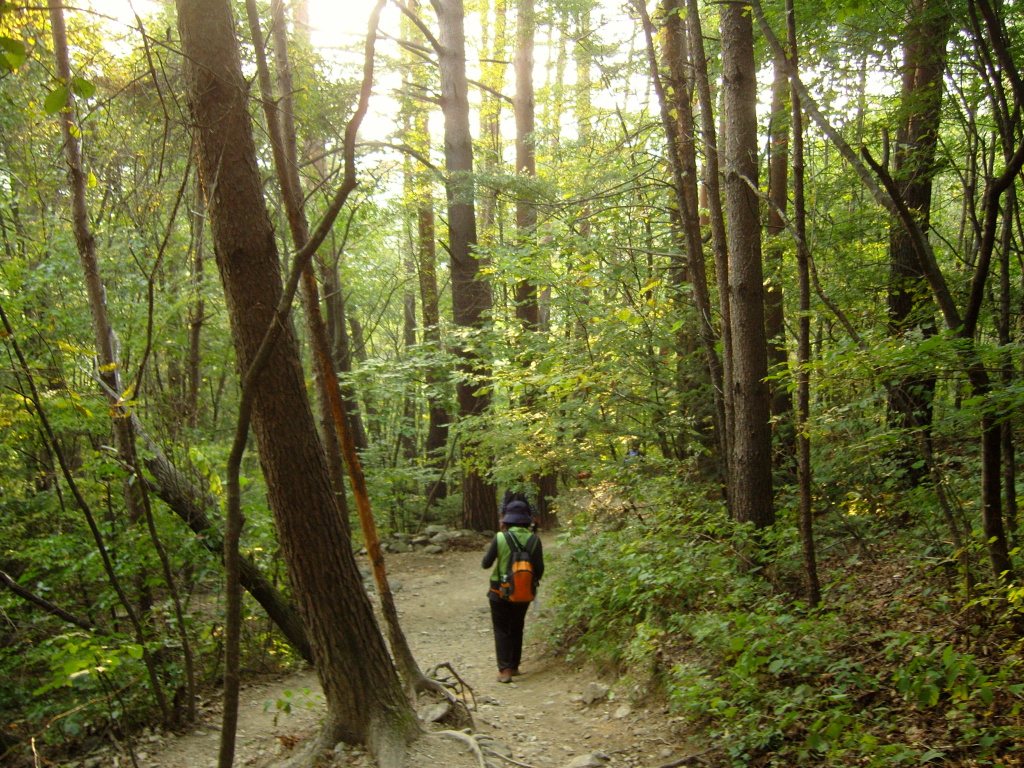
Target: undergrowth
[899, 665]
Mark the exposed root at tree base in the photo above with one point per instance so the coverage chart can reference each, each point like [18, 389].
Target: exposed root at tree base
[468, 740]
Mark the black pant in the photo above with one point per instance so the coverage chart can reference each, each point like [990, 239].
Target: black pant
[508, 619]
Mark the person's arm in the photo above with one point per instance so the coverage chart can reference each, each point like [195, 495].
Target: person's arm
[491, 554]
[537, 559]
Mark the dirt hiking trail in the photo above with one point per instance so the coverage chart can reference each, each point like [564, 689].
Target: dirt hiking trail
[553, 716]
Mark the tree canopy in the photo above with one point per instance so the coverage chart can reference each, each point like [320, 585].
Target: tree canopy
[732, 291]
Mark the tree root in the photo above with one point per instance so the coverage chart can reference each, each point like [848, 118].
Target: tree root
[507, 759]
[455, 692]
[466, 739]
[696, 758]
[460, 687]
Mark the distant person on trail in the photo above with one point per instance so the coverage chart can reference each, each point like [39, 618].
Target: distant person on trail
[513, 551]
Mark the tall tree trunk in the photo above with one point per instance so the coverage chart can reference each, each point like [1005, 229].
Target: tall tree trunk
[774, 308]
[493, 64]
[924, 62]
[281, 130]
[107, 358]
[526, 162]
[426, 272]
[471, 294]
[716, 221]
[365, 701]
[407, 427]
[197, 312]
[526, 300]
[677, 120]
[1010, 374]
[803, 375]
[437, 429]
[751, 461]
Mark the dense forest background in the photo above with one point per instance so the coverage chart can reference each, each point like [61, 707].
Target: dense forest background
[733, 291]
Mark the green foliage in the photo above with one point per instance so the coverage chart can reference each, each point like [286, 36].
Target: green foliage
[651, 584]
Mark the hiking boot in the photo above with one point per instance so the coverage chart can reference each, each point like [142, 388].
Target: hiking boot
[505, 676]
[516, 672]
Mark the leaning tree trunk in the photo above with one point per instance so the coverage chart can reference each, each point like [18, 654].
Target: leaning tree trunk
[281, 129]
[365, 700]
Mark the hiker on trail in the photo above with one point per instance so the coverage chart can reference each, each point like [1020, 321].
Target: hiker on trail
[518, 560]
[511, 496]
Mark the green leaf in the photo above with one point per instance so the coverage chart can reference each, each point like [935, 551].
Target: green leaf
[134, 650]
[83, 88]
[56, 100]
[931, 754]
[14, 53]
[928, 695]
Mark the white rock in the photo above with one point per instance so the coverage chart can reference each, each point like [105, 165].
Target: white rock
[594, 692]
[591, 760]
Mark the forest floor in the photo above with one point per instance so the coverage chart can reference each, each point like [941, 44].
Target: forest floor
[542, 719]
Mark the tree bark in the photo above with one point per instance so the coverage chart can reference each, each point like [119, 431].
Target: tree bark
[365, 701]
[716, 222]
[804, 470]
[471, 294]
[774, 305]
[924, 62]
[751, 460]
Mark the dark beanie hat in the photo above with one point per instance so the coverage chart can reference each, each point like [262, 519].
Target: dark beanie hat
[517, 513]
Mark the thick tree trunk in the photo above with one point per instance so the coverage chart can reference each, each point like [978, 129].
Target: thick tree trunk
[365, 701]
[751, 461]
[924, 62]
[526, 300]
[471, 295]
[493, 65]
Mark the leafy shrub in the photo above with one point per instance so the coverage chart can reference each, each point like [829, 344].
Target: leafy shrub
[882, 677]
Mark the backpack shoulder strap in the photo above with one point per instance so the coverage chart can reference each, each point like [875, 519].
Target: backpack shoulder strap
[513, 542]
[531, 543]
